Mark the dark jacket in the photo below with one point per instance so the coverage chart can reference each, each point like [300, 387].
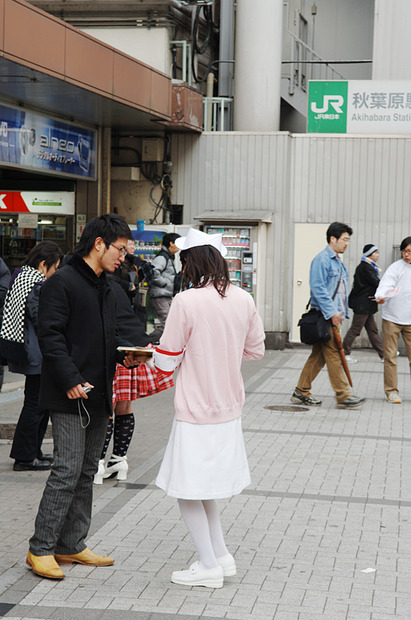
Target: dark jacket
[30, 363]
[129, 325]
[78, 339]
[4, 282]
[4, 286]
[126, 275]
[366, 281]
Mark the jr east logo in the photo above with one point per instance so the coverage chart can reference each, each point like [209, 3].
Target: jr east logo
[330, 109]
[327, 106]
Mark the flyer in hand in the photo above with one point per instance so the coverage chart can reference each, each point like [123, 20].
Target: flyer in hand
[138, 351]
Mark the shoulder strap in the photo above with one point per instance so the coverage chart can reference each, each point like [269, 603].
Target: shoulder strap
[335, 292]
[168, 258]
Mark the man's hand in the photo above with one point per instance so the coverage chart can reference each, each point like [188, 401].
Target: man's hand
[78, 391]
[336, 319]
[134, 359]
[380, 300]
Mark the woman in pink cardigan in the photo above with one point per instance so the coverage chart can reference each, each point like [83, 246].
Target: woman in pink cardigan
[212, 326]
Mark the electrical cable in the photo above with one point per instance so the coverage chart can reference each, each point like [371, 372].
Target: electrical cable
[149, 169]
[200, 49]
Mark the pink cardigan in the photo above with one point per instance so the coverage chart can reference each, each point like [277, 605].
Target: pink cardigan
[209, 336]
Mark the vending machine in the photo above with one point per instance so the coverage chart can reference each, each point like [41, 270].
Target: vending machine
[241, 254]
[147, 240]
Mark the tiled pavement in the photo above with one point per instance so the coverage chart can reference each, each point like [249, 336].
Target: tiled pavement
[323, 532]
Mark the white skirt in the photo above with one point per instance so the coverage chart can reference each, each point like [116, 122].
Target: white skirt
[204, 461]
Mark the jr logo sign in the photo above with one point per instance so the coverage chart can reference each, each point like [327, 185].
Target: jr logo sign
[327, 107]
[335, 101]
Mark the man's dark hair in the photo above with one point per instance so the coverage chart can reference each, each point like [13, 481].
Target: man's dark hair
[169, 238]
[204, 264]
[336, 229]
[404, 243]
[47, 251]
[109, 227]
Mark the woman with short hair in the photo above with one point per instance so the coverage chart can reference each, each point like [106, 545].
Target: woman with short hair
[19, 345]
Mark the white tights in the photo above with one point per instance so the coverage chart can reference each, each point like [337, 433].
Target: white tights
[203, 522]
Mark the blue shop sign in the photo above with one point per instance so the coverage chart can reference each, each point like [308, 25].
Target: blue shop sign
[35, 142]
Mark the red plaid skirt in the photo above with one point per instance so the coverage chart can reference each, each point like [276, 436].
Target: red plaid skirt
[133, 383]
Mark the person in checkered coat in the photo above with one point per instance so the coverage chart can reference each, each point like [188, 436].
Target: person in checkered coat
[19, 344]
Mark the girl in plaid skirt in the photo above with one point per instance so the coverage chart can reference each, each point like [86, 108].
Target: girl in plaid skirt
[128, 385]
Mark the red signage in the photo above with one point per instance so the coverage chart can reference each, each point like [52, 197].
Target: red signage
[12, 201]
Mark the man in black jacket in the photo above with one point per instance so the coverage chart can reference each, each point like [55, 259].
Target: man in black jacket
[77, 337]
[361, 300]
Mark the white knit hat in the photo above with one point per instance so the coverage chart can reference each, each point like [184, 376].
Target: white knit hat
[195, 238]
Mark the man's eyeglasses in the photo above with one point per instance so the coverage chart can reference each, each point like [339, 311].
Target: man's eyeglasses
[122, 251]
[406, 252]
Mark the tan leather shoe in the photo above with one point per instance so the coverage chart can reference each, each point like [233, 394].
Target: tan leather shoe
[86, 557]
[45, 566]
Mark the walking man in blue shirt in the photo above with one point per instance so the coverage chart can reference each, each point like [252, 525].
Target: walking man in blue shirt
[329, 293]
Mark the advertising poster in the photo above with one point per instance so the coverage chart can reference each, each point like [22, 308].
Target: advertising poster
[36, 142]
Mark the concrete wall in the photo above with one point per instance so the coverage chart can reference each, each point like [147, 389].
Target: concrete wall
[339, 30]
[149, 46]
[361, 180]
[392, 41]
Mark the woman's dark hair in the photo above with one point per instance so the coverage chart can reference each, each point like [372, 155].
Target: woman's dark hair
[336, 229]
[202, 265]
[109, 227]
[404, 243]
[46, 251]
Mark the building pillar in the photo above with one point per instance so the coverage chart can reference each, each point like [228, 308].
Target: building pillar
[104, 176]
[392, 41]
[257, 83]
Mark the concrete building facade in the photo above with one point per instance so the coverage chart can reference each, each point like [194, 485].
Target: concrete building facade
[258, 167]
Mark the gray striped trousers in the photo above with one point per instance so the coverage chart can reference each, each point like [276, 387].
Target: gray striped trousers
[64, 515]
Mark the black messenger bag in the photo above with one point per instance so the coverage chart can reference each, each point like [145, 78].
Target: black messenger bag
[313, 326]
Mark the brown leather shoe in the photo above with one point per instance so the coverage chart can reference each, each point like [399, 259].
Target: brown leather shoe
[45, 566]
[86, 557]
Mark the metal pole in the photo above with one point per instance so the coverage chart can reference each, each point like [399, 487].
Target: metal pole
[210, 87]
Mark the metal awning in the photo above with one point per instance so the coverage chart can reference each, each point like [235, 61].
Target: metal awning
[253, 217]
[62, 71]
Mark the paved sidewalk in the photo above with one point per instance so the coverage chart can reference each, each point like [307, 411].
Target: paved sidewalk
[323, 532]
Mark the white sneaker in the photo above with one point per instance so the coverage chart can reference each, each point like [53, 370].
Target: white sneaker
[195, 576]
[227, 563]
[351, 359]
[394, 397]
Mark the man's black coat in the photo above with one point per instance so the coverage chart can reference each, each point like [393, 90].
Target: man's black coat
[77, 337]
[366, 281]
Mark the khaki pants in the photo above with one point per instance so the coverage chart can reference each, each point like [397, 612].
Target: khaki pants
[391, 332]
[321, 354]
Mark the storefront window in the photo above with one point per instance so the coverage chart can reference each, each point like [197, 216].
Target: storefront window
[16, 242]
